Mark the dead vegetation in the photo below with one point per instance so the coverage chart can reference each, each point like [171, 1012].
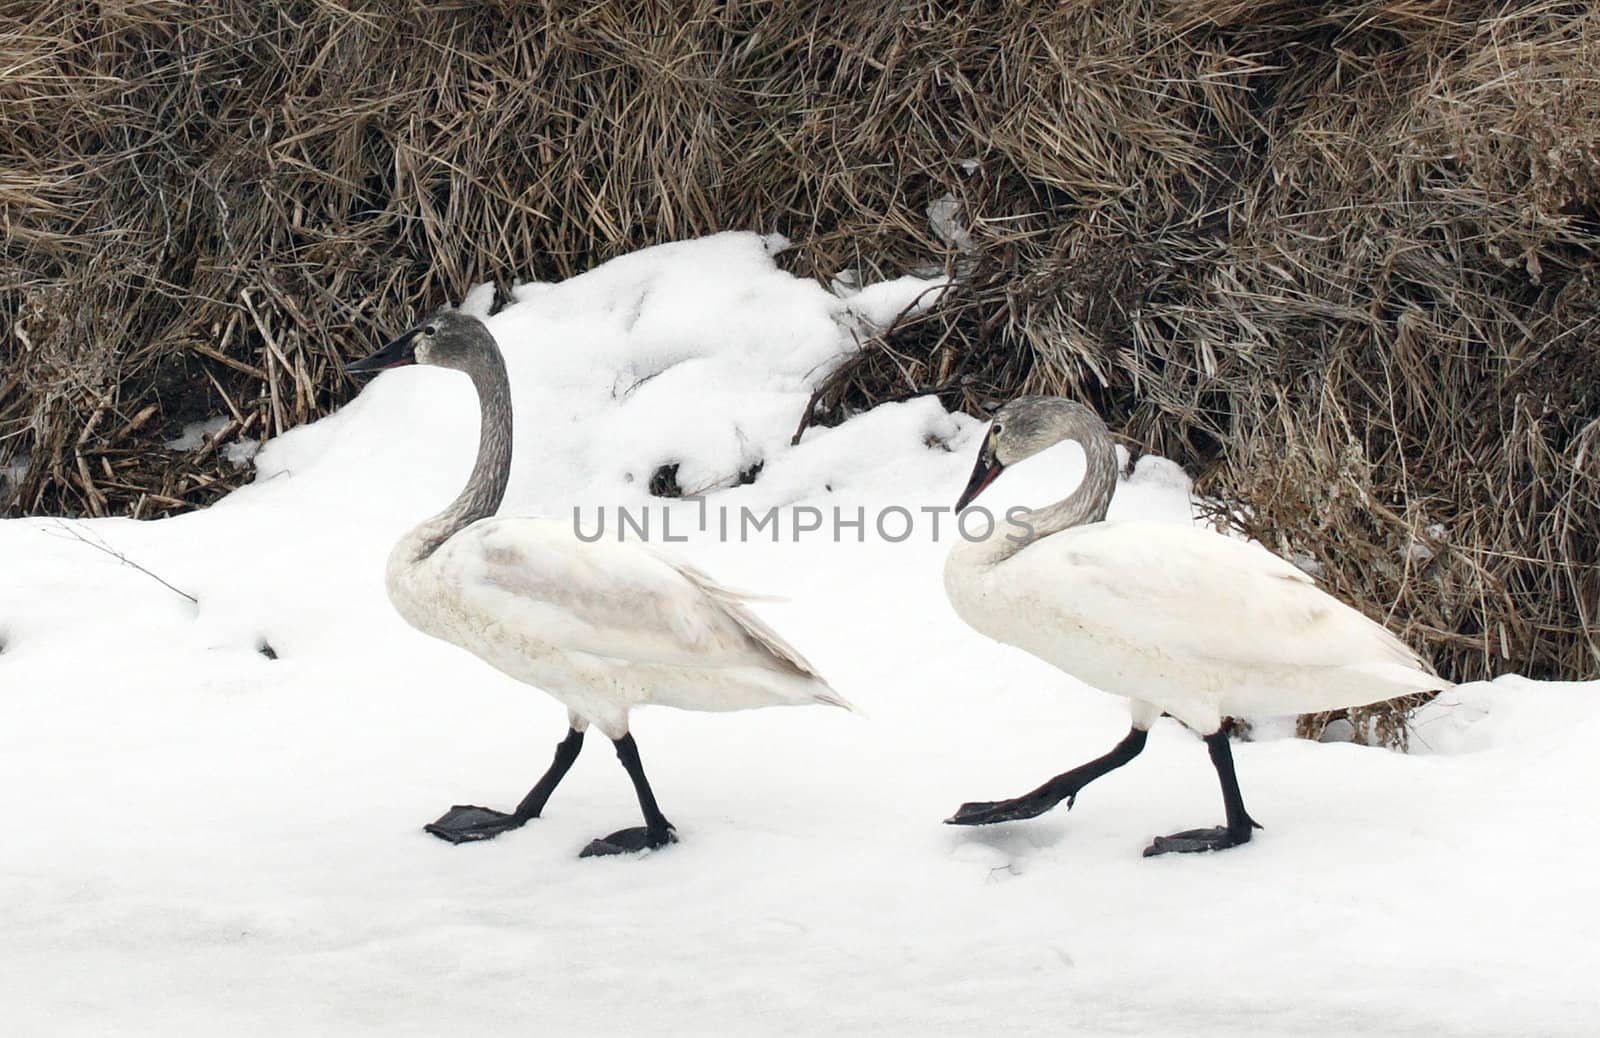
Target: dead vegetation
[1339, 257]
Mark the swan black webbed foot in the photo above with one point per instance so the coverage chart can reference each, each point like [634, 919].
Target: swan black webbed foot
[1065, 786]
[989, 812]
[1192, 841]
[629, 841]
[1220, 838]
[467, 823]
[656, 831]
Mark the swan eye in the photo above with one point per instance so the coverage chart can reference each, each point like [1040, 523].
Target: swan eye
[996, 429]
[431, 330]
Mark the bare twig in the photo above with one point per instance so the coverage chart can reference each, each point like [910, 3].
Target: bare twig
[96, 542]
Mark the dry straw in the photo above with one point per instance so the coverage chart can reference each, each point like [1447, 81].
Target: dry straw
[1338, 257]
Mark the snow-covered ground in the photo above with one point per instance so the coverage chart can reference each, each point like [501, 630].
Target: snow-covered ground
[201, 839]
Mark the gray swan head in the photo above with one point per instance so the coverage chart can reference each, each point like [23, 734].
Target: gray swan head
[448, 339]
[1026, 426]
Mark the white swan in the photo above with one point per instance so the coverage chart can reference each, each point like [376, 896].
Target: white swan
[1175, 618]
[601, 627]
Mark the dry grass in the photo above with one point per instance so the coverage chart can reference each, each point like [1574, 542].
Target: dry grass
[1339, 257]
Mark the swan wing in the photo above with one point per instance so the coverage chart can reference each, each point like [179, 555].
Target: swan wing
[1199, 594]
[623, 602]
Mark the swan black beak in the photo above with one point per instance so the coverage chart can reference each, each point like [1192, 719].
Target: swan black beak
[397, 354]
[983, 473]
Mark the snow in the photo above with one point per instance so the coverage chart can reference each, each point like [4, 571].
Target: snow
[204, 840]
[198, 434]
[882, 305]
[195, 434]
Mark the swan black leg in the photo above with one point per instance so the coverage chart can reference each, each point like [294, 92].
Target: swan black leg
[1063, 787]
[1240, 823]
[656, 831]
[465, 823]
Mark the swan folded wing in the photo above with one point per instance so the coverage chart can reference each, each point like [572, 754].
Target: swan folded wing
[733, 604]
[617, 601]
[1203, 595]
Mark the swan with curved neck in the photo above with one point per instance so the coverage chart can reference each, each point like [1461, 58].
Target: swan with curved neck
[1177, 619]
[601, 627]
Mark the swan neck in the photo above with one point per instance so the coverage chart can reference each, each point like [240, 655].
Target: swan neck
[486, 487]
[1087, 503]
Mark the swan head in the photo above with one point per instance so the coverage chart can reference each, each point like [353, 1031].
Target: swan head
[448, 339]
[1023, 428]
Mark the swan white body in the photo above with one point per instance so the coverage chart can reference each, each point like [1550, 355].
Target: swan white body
[1182, 620]
[602, 627]
[1176, 619]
